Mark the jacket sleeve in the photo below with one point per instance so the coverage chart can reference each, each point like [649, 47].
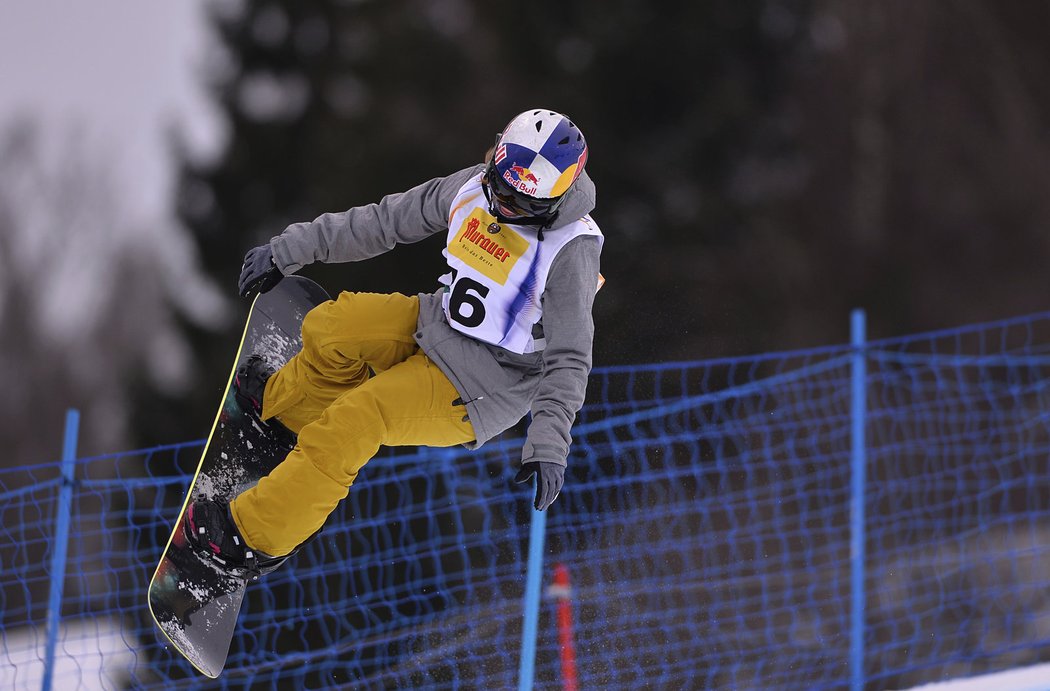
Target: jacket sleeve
[367, 231]
[568, 329]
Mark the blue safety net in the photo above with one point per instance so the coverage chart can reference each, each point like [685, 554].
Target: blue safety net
[705, 526]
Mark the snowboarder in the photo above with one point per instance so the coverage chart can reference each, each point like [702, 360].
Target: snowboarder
[508, 332]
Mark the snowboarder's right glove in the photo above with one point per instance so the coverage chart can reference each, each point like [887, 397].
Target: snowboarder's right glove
[258, 274]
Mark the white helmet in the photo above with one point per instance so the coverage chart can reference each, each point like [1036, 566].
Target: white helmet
[537, 158]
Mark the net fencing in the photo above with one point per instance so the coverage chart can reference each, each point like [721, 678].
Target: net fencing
[705, 526]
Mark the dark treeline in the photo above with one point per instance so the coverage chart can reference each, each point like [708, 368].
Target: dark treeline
[763, 166]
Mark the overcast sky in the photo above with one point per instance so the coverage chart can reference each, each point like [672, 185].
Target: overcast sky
[120, 74]
[124, 70]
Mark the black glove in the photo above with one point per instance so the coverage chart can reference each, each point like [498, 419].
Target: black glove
[549, 479]
[258, 274]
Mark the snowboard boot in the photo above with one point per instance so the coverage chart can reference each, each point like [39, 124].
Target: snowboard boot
[210, 530]
[248, 386]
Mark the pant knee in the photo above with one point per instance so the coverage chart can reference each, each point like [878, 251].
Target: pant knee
[348, 433]
[314, 327]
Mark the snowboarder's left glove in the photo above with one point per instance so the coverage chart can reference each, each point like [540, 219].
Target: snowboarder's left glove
[549, 479]
[258, 274]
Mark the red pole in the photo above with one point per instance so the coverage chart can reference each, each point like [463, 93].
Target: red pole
[563, 592]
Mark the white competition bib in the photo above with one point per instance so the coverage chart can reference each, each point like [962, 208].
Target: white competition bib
[499, 271]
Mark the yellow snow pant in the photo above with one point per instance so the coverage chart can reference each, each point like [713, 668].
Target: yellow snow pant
[343, 413]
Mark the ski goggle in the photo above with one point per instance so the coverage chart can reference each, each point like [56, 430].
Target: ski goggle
[511, 200]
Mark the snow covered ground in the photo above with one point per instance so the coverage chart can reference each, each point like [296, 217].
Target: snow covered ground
[1035, 678]
[90, 654]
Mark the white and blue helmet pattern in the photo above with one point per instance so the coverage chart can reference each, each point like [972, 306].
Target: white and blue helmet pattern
[540, 154]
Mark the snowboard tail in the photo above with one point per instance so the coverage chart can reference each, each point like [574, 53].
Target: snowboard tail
[194, 601]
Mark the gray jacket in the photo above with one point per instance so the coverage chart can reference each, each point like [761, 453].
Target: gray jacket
[499, 386]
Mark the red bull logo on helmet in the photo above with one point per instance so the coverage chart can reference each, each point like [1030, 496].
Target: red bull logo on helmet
[521, 179]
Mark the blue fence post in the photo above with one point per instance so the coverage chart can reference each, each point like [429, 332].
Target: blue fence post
[533, 581]
[61, 544]
[858, 470]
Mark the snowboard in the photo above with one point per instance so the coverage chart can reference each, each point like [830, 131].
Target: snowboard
[193, 602]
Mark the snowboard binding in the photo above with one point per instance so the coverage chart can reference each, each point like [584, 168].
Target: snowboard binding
[249, 384]
[209, 528]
